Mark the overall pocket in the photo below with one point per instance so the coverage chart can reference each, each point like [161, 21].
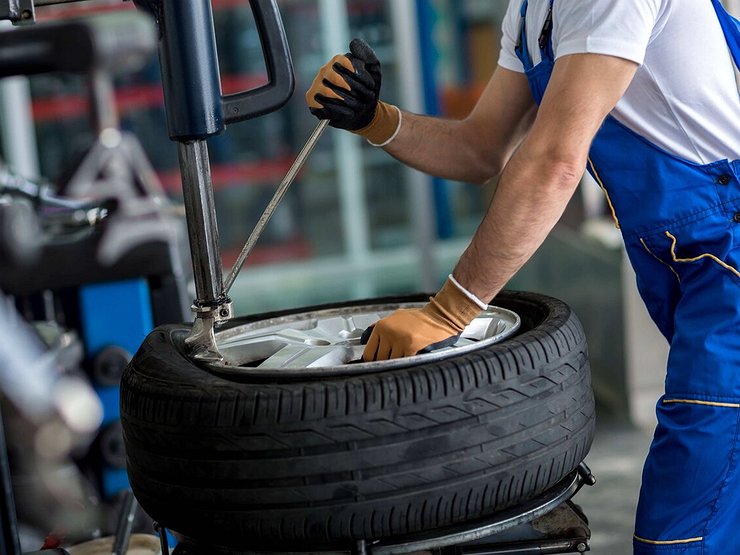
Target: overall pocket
[688, 249]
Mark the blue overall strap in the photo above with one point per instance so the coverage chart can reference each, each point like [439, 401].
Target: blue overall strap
[731, 28]
[522, 48]
[545, 40]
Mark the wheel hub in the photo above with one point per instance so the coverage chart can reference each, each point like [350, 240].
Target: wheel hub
[331, 338]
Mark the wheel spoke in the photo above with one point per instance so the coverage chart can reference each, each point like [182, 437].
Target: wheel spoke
[306, 357]
[286, 336]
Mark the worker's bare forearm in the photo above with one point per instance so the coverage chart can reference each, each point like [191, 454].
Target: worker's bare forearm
[474, 149]
[529, 201]
[543, 174]
[444, 148]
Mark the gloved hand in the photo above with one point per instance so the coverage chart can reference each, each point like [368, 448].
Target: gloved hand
[408, 332]
[346, 92]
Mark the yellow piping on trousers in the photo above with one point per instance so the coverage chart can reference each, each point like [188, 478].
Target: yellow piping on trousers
[603, 188]
[667, 542]
[701, 256]
[671, 268]
[707, 403]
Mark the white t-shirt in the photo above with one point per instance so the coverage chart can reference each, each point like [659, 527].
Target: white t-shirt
[684, 97]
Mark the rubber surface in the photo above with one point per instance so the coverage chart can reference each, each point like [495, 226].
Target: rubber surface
[318, 463]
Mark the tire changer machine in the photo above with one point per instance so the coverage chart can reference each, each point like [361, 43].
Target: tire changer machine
[98, 260]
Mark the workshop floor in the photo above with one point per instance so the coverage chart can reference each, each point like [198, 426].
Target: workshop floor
[616, 460]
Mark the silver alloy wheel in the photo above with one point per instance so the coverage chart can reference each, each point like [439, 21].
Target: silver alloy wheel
[328, 339]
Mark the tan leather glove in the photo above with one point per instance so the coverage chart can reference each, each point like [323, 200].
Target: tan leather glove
[346, 92]
[408, 332]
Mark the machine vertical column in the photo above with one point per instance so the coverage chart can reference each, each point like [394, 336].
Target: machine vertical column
[202, 229]
[197, 110]
[194, 108]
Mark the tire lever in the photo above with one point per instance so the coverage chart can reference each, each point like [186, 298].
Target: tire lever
[277, 197]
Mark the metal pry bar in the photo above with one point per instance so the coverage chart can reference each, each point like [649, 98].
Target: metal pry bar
[277, 197]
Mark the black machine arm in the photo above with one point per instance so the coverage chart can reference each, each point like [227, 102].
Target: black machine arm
[278, 90]
[196, 108]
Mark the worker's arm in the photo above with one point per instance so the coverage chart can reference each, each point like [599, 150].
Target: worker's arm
[346, 91]
[476, 148]
[543, 174]
[534, 189]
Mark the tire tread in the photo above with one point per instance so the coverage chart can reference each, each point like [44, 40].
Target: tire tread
[410, 450]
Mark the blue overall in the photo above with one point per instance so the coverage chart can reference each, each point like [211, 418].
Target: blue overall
[681, 226]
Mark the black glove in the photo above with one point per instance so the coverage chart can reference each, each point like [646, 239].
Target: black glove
[351, 107]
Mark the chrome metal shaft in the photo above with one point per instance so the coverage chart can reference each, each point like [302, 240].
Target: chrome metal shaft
[201, 219]
[277, 197]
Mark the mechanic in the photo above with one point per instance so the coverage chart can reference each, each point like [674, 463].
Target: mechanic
[642, 93]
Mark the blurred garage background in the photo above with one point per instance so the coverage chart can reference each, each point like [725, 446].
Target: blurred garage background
[358, 224]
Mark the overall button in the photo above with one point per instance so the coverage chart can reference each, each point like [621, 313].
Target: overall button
[736, 218]
[723, 179]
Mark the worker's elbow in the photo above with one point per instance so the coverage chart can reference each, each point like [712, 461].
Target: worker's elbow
[486, 167]
[486, 174]
[560, 168]
[484, 160]
[562, 173]
[566, 173]
[560, 162]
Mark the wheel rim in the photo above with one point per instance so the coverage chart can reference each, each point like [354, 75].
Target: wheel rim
[330, 340]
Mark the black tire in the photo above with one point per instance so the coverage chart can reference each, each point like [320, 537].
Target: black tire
[291, 464]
